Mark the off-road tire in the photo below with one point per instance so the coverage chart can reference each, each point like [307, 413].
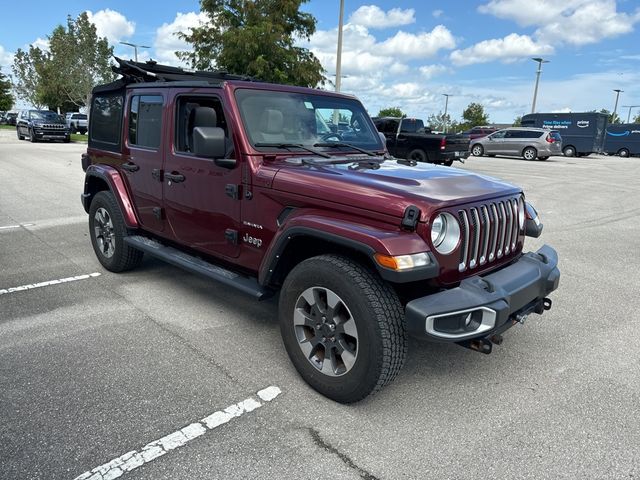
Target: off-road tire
[123, 257]
[379, 319]
[529, 153]
[418, 155]
[477, 150]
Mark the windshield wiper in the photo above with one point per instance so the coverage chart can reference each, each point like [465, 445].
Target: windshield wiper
[293, 145]
[343, 144]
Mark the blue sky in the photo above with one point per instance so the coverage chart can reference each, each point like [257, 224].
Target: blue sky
[408, 53]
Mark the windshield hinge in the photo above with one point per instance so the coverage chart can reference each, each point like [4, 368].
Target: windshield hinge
[232, 190]
[410, 218]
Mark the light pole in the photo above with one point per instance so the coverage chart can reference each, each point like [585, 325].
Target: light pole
[535, 90]
[135, 48]
[446, 106]
[615, 108]
[339, 53]
[629, 114]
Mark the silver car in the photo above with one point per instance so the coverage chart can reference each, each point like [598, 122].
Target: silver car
[527, 142]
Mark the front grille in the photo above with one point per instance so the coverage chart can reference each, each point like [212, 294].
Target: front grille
[488, 231]
[51, 126]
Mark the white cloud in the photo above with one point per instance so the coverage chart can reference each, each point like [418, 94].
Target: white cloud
[421, 45]
[437, 13]
[430, 71]
[112, 25]
[6, 58]
[166, 42]
[576, 22]
[507, 49]
[41, 43]
[372, 16]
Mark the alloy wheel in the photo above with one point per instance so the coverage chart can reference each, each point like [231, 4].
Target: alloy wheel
[103, 231]
[326, 331]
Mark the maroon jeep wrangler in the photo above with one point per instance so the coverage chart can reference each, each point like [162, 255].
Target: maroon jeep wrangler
[253, 185]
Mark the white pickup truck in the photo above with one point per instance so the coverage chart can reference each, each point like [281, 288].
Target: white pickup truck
[76, 122]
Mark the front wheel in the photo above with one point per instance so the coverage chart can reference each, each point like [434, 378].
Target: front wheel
[569, 151]
[529, 153]
[342, 326]
[32, 136]
[108, 230]
[477, 150]
[623, 152]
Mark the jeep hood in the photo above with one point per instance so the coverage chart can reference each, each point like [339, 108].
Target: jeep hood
[390, 188]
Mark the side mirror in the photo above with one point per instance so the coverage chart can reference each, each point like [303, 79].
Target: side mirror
[211, 142]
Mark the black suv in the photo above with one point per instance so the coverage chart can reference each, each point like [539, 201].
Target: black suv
[41, 125]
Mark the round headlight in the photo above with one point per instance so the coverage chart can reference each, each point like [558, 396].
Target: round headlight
[445, 233]
[521, 213]
[437, 230]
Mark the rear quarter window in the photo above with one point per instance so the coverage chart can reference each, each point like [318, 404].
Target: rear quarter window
[105, 131]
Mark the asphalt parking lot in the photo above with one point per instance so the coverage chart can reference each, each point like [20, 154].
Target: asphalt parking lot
[103, 368]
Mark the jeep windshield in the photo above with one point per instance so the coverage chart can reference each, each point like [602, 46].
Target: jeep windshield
[45, 115]
[282, 120]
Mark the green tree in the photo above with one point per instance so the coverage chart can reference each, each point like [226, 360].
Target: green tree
[391, 112]
[473, 116]
[255, 38]
[441, 122]
[6, 97]
[636, 119]
[612, 118]
[517, 122]
[63, 76]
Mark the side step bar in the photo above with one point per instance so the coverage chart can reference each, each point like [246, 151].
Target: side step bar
[197, 265]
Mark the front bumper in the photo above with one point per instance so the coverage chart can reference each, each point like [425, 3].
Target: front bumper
[490, 304]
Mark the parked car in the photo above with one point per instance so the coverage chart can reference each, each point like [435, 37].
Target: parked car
[529, 143]
[623, 139]
[10, 118]
[232, 179]
[37, 125]
[408, 138]
[479, 132]
[582, 133]
[76, 122]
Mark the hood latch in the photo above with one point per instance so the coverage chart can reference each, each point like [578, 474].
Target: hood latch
[410, 218]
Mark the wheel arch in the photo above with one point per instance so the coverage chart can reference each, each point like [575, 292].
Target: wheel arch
[100, 178]
[306, 238]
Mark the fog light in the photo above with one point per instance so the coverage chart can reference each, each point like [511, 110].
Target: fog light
[458, 323]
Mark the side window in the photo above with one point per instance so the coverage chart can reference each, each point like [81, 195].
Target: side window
[199, 111]
[533, 134]
[145, 121]
[499, 134]
[106, 121]
[390, 126]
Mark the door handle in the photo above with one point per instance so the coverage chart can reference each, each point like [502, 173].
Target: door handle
[130, 167]
[174, 177]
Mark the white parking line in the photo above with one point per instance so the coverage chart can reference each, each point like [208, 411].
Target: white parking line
[12, 227]
[22, 288]
[136, 458]
[48, 223]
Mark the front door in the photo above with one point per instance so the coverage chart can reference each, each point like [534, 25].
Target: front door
[495, 143]
[143, 157]
[201, 211]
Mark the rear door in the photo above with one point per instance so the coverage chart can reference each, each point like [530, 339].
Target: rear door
[202, 211]
[144, 152]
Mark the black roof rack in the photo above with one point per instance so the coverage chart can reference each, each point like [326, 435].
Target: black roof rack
[151, 71]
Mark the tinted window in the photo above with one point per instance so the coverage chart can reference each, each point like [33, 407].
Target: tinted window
[145, 120]
[556, 136]
[106, 118]
[411, 125]
[387, 126]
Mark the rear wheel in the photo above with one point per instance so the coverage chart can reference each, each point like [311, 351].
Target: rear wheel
[529, 153]
[342, 326]
[623, 152]
[569, 151]
[108, 230]
[477, 150]
[418, 155]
